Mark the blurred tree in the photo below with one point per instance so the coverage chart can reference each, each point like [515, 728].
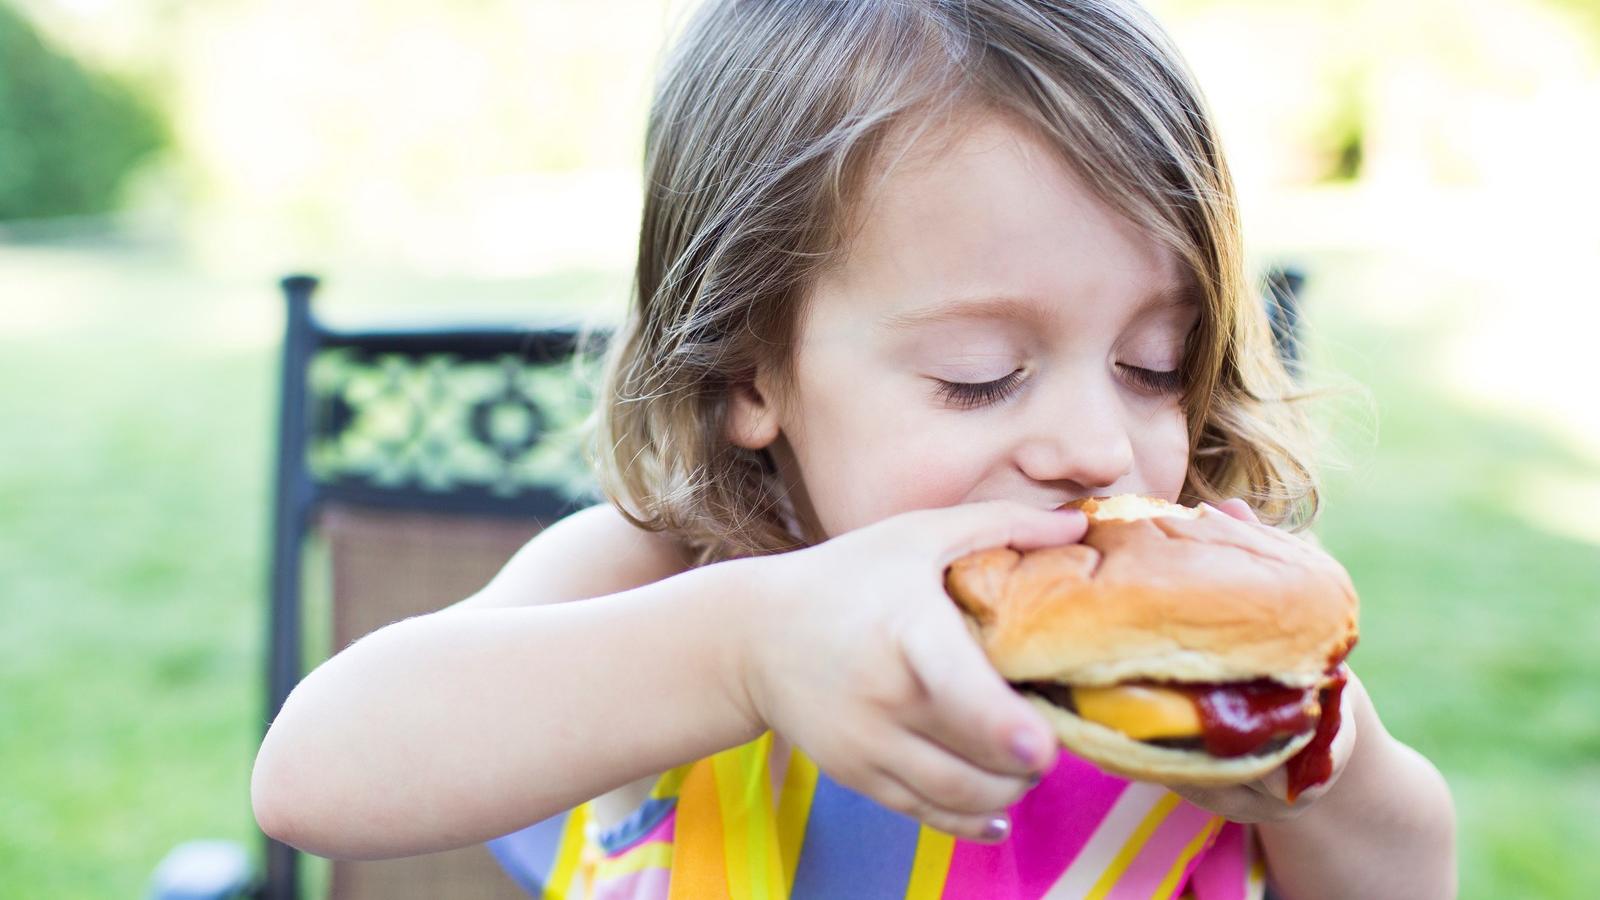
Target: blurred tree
[68, 135]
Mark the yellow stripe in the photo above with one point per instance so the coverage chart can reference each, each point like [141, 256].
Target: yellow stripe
[1131, 848]
[654, 855]
[768, 873]
[669, 784]
[567, 853]
[1170, 884]
[736, 857]
[794, 808]
[931, 864]
[1256, 887]
[744, 790]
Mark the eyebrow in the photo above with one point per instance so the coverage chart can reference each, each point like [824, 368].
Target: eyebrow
[1019, 308]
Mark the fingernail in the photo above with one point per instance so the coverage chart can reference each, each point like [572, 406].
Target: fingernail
[996, 828]
[1025, 746]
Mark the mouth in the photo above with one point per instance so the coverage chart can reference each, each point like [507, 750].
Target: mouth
[1077, 502]
[1130, 506]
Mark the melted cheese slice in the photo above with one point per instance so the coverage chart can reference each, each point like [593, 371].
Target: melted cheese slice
[1139, 711]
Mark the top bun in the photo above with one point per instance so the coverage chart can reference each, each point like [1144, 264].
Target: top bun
[1160, 592]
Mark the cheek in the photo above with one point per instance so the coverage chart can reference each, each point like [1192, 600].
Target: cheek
[1163, 452]
[925, 469]
[863, 461]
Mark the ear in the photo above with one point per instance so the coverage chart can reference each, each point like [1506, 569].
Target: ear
[752, 414]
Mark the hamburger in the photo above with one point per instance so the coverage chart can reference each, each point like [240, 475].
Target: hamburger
[1174, 644]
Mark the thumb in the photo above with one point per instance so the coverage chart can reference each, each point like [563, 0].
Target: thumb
[1001, 523]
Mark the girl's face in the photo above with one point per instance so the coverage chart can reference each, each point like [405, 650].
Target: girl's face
[996, 332]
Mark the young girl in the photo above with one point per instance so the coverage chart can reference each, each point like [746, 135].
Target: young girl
[912, 275]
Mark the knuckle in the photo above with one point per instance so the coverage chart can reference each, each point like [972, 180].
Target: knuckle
[936, 688]
[902, 801]
[949, 787]
[872, 784]
[945, 822]
[960, 826]
[887, 689]
[968, 792]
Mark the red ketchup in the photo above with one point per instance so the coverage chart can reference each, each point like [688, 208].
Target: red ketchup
[1314, 764]
[1236, 719]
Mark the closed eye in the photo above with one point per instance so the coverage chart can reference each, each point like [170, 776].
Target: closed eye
[969, 395]
[1153, 380]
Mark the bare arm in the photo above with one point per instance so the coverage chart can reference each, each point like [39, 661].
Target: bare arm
[447, 729]
[452, 728]
[1387, 829]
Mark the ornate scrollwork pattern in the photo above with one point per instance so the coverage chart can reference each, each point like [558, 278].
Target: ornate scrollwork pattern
[440, 424]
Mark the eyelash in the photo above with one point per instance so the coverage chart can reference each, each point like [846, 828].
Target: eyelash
[970, 395]
[1156, 382]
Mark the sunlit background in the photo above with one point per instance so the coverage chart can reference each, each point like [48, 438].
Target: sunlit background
[1431, 164]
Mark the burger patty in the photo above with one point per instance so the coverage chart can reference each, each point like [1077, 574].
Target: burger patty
[1054, 692]
[1198, 745]
[1224, 720]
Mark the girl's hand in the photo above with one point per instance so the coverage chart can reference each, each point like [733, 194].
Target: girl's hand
[853, 651]
[1267, 799]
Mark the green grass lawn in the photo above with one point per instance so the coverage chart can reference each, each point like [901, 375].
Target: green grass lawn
[134, 421]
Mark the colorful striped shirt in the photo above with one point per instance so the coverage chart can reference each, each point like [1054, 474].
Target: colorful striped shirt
[752, 824]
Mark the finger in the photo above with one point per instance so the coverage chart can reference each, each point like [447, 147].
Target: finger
[892, 792]
[979, 526]
[951, 783]
[1245, 803]
[1274, 784]
[1248, 527]
[1239, 510]
[968, 708]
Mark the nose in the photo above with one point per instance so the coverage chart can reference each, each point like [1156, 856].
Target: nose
[1081, 438]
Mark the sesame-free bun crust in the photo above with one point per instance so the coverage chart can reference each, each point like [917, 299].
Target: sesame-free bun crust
[1119, 754]
[1163, 593]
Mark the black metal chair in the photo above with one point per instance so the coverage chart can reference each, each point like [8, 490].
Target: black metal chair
[422, 458]
[1284, 285]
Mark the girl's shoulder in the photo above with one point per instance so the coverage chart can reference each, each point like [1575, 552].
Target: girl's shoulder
[591, 553]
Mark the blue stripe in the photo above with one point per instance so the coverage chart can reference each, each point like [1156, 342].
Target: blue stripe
[853, 847]
[638, 823]
[529, 855]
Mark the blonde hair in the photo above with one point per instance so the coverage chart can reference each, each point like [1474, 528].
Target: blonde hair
[766, 116]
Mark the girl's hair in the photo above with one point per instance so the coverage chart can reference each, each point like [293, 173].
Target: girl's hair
[767, 115]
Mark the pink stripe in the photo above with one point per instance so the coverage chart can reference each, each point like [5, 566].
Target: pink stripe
[645, 884]
[663, 831]
[1156, 858]
[1223, 872]
[1049, 827]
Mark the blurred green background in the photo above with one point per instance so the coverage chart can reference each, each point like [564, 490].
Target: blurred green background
[1430, 163]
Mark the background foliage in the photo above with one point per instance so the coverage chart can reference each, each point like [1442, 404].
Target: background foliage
[69, 135]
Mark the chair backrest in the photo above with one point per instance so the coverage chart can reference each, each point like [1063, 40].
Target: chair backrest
[1283, 286]
[422, 458]
[386, 565]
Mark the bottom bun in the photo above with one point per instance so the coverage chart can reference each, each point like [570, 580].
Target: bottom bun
[1119, 754]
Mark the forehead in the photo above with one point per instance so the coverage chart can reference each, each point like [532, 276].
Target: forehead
[987, 212]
